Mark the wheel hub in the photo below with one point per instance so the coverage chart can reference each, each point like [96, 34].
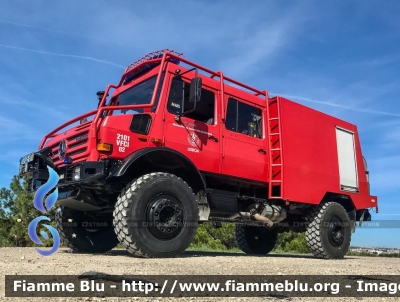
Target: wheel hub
[164, 217]
[336, 231]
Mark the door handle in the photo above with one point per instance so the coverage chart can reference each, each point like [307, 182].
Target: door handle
[262, 151]
[213, 138]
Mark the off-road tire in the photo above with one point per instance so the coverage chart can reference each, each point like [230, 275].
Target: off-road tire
[255, 240]
[135, 216]
[83, 234]
[319, 240]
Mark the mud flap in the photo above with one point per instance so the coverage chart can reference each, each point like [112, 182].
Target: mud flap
[352, 217]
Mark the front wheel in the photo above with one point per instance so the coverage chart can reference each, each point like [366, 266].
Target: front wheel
[156, 215]
[85, 232]
[329, 231]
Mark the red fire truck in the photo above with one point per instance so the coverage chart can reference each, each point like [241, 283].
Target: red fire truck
[175, 144]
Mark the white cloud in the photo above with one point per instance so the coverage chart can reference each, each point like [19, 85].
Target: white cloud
[377, 62]
[42, 28]
[327, 103]
[31, 108]
[17, 131]
[263, 42]
[63, 55]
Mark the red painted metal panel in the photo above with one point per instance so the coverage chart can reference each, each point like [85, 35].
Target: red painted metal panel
[191, 137]
[241, 153]
[310, 156]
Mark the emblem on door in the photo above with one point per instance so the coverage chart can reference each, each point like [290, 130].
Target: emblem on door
[193, 139]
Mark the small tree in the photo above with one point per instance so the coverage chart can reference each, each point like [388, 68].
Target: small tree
[16, 212]
[292, 242]
[225, 234]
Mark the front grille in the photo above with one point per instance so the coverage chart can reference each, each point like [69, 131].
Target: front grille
[77, 146]
[77, 152]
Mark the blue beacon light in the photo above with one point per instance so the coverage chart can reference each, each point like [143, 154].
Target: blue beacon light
[68, 160]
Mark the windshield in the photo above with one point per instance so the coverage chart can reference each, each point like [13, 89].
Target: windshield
[139, 94]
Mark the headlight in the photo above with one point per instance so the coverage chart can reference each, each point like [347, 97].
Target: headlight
[77, 173]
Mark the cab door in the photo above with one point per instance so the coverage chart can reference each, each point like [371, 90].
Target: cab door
[244, 140]
[196, 135]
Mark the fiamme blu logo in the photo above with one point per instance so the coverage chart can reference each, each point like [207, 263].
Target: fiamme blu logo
[48, 204]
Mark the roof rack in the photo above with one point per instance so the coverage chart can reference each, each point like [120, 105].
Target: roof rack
[152, 55]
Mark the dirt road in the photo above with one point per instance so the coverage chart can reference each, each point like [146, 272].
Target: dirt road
[119, 262]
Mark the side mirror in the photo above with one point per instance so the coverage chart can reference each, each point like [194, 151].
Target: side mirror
[195, 93]
[195, 90]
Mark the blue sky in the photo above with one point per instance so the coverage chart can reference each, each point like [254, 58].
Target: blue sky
[339, 57]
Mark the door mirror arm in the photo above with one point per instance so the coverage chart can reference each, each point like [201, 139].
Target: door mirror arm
[178, 118]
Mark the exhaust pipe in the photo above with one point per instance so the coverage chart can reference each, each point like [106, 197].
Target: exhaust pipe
[274, 213]
[270, 214]
[256, 216]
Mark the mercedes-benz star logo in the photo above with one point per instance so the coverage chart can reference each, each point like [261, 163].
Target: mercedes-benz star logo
[62, 149]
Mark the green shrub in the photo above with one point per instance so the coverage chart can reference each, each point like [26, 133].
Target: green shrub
[292, 242]
[226, 234]
[209, 237]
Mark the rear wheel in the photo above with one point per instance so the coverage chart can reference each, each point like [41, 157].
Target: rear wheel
[156, 215]
[329, 231]
[85, 232]
[255, 240]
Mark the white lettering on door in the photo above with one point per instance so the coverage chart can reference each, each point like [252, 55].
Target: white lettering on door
[122, 142]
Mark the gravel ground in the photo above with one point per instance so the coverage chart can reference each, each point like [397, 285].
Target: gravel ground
[119, 262]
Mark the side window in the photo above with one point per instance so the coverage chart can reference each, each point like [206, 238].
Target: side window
[179, 90]
[204, 108]
[231, 115]
[243, 118]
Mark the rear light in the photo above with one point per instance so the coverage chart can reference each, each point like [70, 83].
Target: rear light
[104, 147]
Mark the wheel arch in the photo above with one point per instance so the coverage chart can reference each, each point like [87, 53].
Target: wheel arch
[158, 159]
[345, 201]
[342, 199]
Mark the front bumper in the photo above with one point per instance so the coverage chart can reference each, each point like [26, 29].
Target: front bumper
[34, 165]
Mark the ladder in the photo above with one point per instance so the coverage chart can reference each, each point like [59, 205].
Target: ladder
[275, 184]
